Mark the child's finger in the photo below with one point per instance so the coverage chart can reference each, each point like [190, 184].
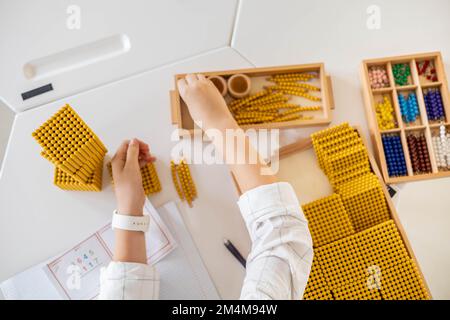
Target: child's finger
[191, 78]
[143, 147]
[182, 86]
[133, 153]
[201, 76]
[119, 159]
[144, 161]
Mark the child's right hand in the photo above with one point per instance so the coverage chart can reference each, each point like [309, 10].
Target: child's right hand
[126, 167]
[205, 103]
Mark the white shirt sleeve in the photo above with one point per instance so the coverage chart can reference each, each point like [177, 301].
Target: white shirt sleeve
[278, 265]
[281, 257]
[129, 281]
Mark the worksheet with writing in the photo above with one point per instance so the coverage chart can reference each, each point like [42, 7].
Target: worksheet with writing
[75, 274]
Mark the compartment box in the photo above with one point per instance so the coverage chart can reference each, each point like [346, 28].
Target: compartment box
[427, 74]
[182, 119]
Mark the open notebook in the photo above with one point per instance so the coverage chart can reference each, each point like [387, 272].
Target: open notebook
[75, 273]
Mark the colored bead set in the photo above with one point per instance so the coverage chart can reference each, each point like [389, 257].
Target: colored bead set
[419, 96]
[150, 179]
[409, 107]
[418, 152]
[441, 147]
[353, 234]
[271, 104]
[427, 69]
[393, 152]
[434, 104]
[385, 114]
[74, 149]
[401, 72]
[182, 180]
[378, 77]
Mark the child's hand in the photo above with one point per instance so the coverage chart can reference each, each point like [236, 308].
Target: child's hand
[126, 164]
[205, 103]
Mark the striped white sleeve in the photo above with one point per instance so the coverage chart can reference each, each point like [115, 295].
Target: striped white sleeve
[129, 281]
[281, 256]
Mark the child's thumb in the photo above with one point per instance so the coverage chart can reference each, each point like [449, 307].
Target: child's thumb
[133, 153]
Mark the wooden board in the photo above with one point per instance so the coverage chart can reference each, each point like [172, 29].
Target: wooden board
[427, 127]
[182, 119]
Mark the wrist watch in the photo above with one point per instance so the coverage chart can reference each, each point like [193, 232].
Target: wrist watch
[130, 223]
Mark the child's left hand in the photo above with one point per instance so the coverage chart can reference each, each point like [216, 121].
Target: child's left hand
[126, 163]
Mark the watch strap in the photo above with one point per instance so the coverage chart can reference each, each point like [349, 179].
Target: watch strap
[130, 223]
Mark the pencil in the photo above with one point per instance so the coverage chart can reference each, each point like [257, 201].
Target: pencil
[234, 252]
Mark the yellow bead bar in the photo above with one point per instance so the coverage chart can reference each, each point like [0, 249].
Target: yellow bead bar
[298, 109]
[273, 106]
[300, 93]
[150, 179]
[267, 109]
[271, 98]
[176, 183]
[291, 117]
[236, 104]
[293, 85]
[294, 76]
[193, 188]
[255, 120]
[250, 115]
[182, 179]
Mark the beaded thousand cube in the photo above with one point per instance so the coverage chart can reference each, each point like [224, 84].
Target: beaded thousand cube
[327, 220]
[73, 148]
[357, 246]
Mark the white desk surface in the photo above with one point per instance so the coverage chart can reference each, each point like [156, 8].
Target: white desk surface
[159, 32]
[32, 210]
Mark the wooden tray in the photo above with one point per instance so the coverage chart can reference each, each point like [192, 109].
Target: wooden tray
[298, 166]
[422, 124]
[182, 119]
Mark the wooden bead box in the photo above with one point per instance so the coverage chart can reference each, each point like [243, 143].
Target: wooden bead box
[408, 110]
[312, 112]
[358, 254]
